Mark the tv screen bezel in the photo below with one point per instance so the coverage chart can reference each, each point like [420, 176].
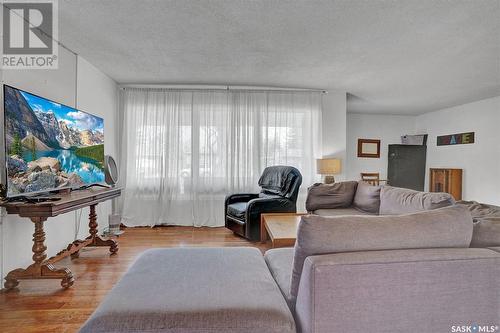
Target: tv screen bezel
[3, 159]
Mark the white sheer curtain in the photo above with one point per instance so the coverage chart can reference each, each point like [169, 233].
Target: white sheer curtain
[183, 151]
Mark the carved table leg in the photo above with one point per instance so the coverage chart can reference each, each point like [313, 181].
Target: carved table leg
[96, 239]
[40, 269]
[92, 222]
[39, 247]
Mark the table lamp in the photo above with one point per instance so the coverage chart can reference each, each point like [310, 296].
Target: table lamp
[328, 167]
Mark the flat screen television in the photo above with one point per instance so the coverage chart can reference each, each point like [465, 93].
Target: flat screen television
[48, 145]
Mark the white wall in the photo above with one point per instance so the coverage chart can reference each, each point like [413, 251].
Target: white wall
[480, 161]
[334, 127]
[95, 93]
[387, 128]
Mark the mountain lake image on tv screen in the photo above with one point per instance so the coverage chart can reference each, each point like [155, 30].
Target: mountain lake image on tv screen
[50, 145]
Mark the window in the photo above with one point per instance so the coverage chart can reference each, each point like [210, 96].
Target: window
[195, 147]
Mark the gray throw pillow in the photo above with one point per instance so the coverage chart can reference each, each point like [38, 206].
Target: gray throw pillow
[336, 195]
[446, 227]
[396, 200]
[367, 198]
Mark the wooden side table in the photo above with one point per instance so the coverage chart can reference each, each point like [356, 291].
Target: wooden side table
[38, 213]
[281, 228]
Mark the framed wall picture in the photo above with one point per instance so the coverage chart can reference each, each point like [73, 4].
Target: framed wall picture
[369, 148]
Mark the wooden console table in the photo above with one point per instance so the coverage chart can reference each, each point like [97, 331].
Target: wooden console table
[38, 213]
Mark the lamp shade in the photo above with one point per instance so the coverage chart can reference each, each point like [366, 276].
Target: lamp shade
[328, 166]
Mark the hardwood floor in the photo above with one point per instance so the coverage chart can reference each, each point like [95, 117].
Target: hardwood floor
[42, 306]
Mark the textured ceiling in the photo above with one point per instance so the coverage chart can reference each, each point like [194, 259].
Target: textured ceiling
[399, 57]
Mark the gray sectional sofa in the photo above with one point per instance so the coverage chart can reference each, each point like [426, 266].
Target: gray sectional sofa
[347, 273]
[360, 198]
[413, 272]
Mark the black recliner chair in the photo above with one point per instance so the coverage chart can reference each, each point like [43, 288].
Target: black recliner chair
[280, 188]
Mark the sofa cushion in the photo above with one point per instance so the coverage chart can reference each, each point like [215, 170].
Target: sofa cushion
[486, 223]
[396, 200]
[340, 212]
[203, 290]
[326, 196]
[486, 232]
[446, 227]
[414, 290]
[237, 209]
[478, 209]
[280, 262]
[367, 198]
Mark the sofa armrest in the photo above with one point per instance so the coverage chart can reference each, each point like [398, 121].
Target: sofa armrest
[240, 197]
[269, 205]
[425, 290]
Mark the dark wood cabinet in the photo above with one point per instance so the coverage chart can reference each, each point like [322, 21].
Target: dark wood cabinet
[446, 180]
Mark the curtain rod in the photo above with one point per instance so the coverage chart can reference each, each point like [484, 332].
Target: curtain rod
[188, 87]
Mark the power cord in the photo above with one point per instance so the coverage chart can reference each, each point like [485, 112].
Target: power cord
[2, 241]
[78, 220]
[85, 187]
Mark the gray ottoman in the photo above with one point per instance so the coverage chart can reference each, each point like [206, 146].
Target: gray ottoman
[194, 290]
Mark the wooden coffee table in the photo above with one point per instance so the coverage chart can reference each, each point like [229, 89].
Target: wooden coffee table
[281, 228]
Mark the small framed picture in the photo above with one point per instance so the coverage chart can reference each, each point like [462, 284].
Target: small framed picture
[369, 148]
